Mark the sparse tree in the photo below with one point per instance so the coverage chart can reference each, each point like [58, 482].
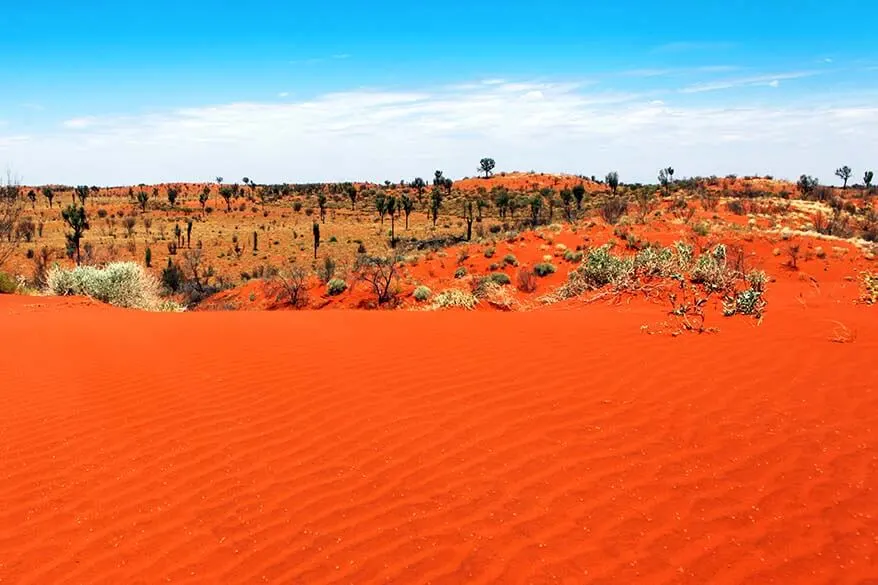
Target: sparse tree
[666, 178]
[468, 217]
[382, 275]
[612, 180]
[567, 202]
[77, 220]
[448, 184]
[408, 205]
[501, 201]
[316, 230]
[807, 184]
[481, 205]
[486, 165]
[390, 204]
[867, 179]
[321, 204]
[203, 197]
[419, 184]
[435, 203]
[351, 191]
[381, 205]
[578, 195]
[81, 192]
[228, 193]
[844, 173]
[172, 195]
[32, 195]
[438, 179]
[536, 207]
[10, 214]
[49, 194]
[143, 200]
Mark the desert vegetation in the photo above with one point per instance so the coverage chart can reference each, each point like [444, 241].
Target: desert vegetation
[391, 244]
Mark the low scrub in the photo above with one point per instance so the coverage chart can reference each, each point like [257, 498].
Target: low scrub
[454, 298]
[421, 293]
[122, 284]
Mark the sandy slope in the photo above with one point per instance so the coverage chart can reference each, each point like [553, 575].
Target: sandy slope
[559, 446]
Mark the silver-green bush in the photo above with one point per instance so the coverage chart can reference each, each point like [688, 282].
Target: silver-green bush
[123, 284]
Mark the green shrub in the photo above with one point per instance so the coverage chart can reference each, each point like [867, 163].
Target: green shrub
[544, 269]
[422, 293]
[573, 255]
[510, 259]
[701, 228]
[500, 278]
[123, 284]
[489, 252]
[336, 286]
[8, 285]
[460, 272]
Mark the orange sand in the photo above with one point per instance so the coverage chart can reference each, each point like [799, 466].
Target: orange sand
[554, 446]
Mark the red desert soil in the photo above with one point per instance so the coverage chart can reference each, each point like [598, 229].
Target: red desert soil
[552, 446]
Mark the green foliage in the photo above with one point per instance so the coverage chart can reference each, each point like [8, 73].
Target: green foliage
[123, 284]
[500, 278]
[8, 285]
[510, 260]
[544, 269]
[573, 255]
[460, 272]
[486, 165]
[422, 293]
[336, 286]
[172, 277]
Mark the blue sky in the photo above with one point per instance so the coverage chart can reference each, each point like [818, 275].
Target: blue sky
[109, 92]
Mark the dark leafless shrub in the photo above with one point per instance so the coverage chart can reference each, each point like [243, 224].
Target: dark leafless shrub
[613, 208]
[382, 276]
[293, 286]
[10, 211]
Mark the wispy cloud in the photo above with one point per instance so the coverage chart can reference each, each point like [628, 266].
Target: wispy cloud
[565, 127]
[758, 80]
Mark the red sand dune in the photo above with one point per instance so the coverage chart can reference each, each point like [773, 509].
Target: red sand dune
[554, 446]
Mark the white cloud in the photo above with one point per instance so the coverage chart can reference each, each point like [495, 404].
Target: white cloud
[283, 94]
[379, 135]
[769, 80]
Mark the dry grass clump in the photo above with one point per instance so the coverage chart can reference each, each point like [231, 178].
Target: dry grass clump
[454, 298]
[870, 288]
[123, 284]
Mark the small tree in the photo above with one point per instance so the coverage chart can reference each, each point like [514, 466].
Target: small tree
[82, 192]
[807, 184]
[666, 178]
[408, 205]
[536, 206]
[188, 233]
[32, 195]
[448, 184]
[867, 179]
[316, 230]
[76, 219]
[381, 205]
[391, 209]
[172, 195]
[438, 179]
[468, 216]
[228, 193]
[844, 173]
[10, 213]
[435, 203]
[204, 196]
[49, 194]
[148, 258]
[567, 201]
[486, 165]
[613, 180]
[419, 185]
[579, 194]
[501, 201]
[382, 275]
[351, 191]
[142, 199]
[321, 203]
